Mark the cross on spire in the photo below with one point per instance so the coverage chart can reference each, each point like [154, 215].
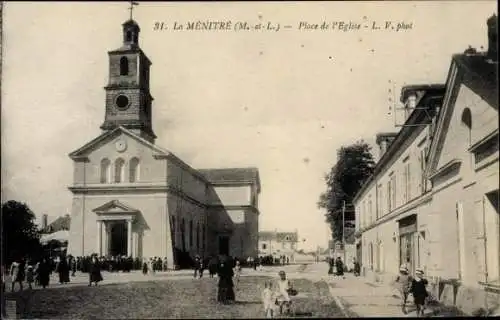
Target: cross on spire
[131, 8]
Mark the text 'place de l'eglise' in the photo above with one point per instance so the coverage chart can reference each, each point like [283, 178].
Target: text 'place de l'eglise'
[429, 209]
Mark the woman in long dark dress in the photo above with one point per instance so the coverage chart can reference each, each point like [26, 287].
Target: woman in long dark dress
[339, 266]
[95, 272]
[43, 272]
[212, 266]
[63, 269]
[225, 293]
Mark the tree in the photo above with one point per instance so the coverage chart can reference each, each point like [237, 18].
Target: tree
[354, 166]
[20, 235]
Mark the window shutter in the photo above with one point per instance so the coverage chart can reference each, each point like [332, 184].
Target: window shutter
[480, 243]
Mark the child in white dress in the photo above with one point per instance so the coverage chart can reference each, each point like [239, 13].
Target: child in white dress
[268, 299]
[237, 274]
[284, 288]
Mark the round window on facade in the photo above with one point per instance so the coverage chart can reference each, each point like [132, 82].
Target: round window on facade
[122, 102]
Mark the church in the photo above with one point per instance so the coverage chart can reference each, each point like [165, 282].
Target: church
[131, 197]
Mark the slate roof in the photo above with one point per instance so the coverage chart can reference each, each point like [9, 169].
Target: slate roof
[232, 175]
[478, 65]
[61, 223]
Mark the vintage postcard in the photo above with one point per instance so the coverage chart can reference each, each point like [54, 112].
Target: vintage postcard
[264, 159]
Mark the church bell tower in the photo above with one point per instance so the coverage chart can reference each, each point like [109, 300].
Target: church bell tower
[128, 99]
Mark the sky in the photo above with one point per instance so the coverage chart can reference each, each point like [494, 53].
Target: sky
[281, 101]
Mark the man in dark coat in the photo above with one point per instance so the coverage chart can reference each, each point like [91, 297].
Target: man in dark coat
[331, 263]
[197, 265]
[95, 271]
[212, 266]
[43, 272]
[339, 265]
[225, 293]
[63, 269]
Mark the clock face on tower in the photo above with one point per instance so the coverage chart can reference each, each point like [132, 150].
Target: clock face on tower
[121, 145]
[122, 102]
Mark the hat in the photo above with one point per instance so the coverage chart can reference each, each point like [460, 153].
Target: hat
[403, 268]
[281, 272]
[420, 271]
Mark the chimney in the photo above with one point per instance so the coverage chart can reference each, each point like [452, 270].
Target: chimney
[410, 105]
[384, 141]
[492, 53]
[45, 219]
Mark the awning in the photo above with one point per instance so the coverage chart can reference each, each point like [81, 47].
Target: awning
[62, 235]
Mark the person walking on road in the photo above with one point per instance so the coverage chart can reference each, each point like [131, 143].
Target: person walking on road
[403, 283]
[339, 265]
[419, 291]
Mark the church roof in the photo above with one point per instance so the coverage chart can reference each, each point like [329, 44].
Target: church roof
[225, 175]
[109, 135]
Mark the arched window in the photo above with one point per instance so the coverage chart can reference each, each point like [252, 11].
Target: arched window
[119, 166]
[134, 170]
[174, 231]
[183, 234]
[467, 122]
[105, 171]
[123, 66]
[191, 244]
[128, 36]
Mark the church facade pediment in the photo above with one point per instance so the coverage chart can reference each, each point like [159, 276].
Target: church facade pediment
[108, 137]
[115, 206]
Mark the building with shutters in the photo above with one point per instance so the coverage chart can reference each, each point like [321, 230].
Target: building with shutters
[433, 199]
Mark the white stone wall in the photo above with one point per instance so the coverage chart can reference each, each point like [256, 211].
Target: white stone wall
[150, 225]
[377, 192]
[150, 169]
[233, 195]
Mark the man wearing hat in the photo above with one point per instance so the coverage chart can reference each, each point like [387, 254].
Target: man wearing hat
[419, 291]
[403, 283]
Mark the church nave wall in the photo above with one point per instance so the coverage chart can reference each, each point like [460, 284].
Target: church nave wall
[189, 223]
[180, 177]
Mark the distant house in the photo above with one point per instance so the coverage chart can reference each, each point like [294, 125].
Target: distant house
[61, 223]
[274, 243]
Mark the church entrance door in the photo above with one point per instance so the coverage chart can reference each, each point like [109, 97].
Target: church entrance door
[224, 245]
[118, 239]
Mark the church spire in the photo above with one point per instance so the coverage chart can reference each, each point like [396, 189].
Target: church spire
[131, 29]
